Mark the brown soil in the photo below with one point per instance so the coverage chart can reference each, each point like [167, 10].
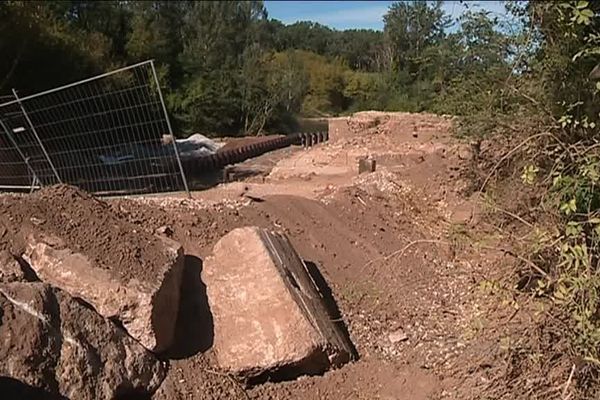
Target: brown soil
[391, 245]
[86, 225]
[397, 248]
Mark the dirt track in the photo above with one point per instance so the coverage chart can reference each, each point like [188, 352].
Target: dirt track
[390, 244]
[394, 247]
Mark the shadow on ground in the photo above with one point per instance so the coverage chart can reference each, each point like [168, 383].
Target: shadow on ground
[194, 331]
[14, 389]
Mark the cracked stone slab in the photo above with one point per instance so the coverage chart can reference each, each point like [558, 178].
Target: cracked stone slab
[269, 316]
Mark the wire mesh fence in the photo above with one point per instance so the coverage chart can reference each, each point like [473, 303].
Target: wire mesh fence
[109, 134]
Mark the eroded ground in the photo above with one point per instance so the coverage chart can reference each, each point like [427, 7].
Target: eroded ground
[404, 251]
[397, 247]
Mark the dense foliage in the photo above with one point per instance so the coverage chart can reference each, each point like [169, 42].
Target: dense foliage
[537, 84]
[227, 68]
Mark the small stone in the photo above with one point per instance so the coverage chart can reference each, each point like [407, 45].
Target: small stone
[37, 221]
[165, 231]
[366, 164]
[397, 336]
[10, 270]
[253, 197]
[464, 152]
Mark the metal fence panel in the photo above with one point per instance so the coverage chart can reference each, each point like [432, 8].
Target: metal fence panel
[104, 134]
[15, 173]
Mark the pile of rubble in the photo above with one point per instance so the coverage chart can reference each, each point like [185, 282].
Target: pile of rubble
[89, 317]
[383, 181]
[370, 123]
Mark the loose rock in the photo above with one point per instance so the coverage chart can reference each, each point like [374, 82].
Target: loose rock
[146, 308]
[54, 343]
[268, 315]
[397, 336]
[165, 231]
[10, 270]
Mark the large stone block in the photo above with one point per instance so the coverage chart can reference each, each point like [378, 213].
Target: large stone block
[53, 342]
[269, 317]
[147, 307]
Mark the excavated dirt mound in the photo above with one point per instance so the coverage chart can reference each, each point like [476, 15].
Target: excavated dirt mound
[380, 241]
[355, 238]
[86, 225]
[393, 247]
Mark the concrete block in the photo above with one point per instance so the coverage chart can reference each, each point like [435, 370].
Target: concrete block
[366, 164]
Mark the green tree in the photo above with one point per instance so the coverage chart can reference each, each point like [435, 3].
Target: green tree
[325, 83]
[305, 35]
[33, 34]
[410, 28]
[215, 38]
[472, 68]
[360, 48]
[414, 33]
[156, 34]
